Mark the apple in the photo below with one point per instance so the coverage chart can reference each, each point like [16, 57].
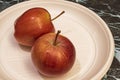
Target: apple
[32, 24]
[53, 54]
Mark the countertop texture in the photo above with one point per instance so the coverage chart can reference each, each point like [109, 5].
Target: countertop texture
[109, 11]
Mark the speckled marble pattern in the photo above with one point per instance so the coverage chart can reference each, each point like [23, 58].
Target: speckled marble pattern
[109, 11]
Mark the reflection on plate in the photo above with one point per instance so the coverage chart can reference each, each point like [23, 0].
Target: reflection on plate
[90, 35]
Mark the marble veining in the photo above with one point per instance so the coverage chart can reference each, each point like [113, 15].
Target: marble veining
[109, 11]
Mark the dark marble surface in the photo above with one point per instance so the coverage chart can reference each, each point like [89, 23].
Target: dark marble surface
[109, 11]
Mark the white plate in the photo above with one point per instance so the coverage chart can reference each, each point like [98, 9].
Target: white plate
[92, 39]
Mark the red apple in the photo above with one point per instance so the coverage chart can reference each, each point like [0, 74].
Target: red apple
[53, 54]
[32, 24]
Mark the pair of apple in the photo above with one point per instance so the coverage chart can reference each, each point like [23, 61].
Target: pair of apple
[52, 54]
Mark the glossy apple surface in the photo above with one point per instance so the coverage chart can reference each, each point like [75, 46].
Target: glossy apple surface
[53, 59]
[32, 24]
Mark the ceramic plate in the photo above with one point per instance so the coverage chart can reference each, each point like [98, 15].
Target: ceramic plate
[90, 35]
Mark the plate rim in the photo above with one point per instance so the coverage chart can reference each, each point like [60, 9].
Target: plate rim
[108, 62]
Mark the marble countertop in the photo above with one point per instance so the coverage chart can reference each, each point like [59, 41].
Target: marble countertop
[109, 11]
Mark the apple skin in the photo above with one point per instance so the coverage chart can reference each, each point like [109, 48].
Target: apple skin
[32, 24]
[53, 60]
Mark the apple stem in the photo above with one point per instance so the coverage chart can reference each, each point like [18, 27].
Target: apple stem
[58, 15]
[55, 41]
